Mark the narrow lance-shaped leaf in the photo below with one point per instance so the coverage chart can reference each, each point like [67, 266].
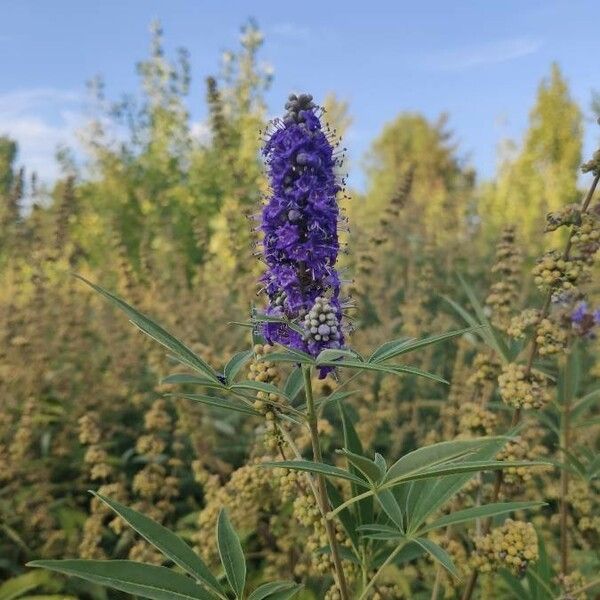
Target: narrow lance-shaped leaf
[131, 577]
[235, 364]
[366, 466]
[479, 512]
[231, 553]
[320, 468]
[155, 331]
[224, 403]
[164, 540]
[352, 442]
[439, 555]
[403, 346]
[275, 590]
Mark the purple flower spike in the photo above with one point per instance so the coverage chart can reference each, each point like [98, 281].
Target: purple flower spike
[300, 227]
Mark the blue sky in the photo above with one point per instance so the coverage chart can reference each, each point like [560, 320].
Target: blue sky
[480, 61]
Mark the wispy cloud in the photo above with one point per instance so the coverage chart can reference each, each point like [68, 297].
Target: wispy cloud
[483, 54]
[292, 31]
[40, 120]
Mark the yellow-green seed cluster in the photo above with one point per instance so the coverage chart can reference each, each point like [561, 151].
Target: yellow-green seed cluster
[475, 420]
[521, 387]
[556, 273]
[513, 545]
[550, 337]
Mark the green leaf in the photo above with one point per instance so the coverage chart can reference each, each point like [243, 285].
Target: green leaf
[391, 507]
[453, 468]
[234, 405]
[478, 512]
[391, 369]
[434, 454]
[17, 586]
[439, 555]
[164, 540]
[489, 334]
[293, 384]
[515, 585]
[148, 581]
[585, 403]
[156, 332]
[346, 517]
[402, 346]
[231, 553]
[287, 357]
[184, 378]
[387, 346]
[426, 497]
[276, 590]
[365, 465]
[331, 354]
[258, 386]
[353, 444]
[312, 467]
[235, 364]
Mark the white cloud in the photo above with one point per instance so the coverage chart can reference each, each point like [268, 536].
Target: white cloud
[292, 31]
[200, 131]
[40, 120]
[484, 54]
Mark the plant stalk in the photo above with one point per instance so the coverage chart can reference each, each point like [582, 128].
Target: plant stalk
[517, 413]
[565, 434]
[388, 560]
[322, 497]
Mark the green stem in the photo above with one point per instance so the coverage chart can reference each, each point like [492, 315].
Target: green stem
[322, 497]
[565, 439]
[331, 514]
[388, 560]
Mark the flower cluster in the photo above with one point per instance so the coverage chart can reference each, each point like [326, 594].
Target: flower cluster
[558, 274]
[569, 584]
[550, 337]
[513, 545]
[523, 388]
[523, 321]
[504, 293]
[300, 228]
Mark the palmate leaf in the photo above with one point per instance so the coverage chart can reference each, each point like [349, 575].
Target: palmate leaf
[147, 581]
[166, 542]
[423, 498]
[156, 332]
[231, 553]
[436, 454]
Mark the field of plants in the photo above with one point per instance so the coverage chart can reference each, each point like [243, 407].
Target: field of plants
[321, 393]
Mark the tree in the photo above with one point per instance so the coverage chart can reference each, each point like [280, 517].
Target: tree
[543, 175]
